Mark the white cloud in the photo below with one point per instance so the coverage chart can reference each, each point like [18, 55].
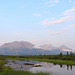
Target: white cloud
[37, 14]
[71, 26]
[61, 32]
[52, 3]
[2, 42]
[61, 20]
[70, 11]
[69, 16]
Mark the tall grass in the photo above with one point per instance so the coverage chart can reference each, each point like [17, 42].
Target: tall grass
[8, 71]
[57, 61]
[2, 62]
[66, 62]
[14, 72]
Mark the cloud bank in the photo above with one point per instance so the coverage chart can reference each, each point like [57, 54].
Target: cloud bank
[69, 15]
[52, 3]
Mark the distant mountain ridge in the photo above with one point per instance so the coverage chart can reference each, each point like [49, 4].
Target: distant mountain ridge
[47, 47]
[27, 48]
[50, 47]
[16, 44]
[64, 48]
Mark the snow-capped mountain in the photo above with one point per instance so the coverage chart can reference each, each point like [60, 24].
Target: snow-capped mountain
[27, 48]
[47, 47]
[50, 47]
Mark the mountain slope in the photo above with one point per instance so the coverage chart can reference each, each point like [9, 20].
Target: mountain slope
[47, 47]
[16, 48]
[26, 48]
[50, 48]
[65, 48]
[16, 44]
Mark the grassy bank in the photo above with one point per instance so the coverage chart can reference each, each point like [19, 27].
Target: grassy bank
[2, 62]
[57, 61]
[8, 71]
[14, 72]
[66, 62]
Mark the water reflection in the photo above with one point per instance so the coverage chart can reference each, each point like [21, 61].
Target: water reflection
[69, 67]
[61, 65]
[56, 69]
[54, 64]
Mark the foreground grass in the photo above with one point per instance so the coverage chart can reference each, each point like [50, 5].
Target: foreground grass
[14, 72]
[8, 71]
[66, 62]
[2, 62]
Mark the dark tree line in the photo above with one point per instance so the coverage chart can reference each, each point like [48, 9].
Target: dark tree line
[61, 56]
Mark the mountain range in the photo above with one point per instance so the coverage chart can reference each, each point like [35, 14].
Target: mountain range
[27, 48]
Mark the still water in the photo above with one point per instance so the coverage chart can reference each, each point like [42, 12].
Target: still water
[51, 68]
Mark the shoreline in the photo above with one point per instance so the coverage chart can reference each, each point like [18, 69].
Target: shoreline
[65, 62]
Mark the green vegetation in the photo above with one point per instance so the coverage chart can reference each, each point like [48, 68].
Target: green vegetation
[69, 56]
[14, 72]
[56, 61]
[68, 59]
[2, 62]
[66, 62]
[8, 71]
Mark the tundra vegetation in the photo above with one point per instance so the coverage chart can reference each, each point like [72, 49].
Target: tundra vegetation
[9, 71]
[68, 59]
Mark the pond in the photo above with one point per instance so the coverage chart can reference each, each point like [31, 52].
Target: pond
[53, 69]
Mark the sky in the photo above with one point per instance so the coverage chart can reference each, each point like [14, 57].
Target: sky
[38, 21]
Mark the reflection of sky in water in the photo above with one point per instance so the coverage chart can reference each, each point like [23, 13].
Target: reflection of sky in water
[55, 69]
[49, 67]
[23, 62]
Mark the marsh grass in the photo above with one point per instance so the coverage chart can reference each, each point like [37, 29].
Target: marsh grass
[66, 62]
[56, 61]
[9, 71]
[2, 62]
[14, 72]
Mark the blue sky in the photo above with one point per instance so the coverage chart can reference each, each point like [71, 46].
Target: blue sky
[38, 21]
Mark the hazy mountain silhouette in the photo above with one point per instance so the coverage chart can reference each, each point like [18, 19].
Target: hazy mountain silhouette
[27, 48]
